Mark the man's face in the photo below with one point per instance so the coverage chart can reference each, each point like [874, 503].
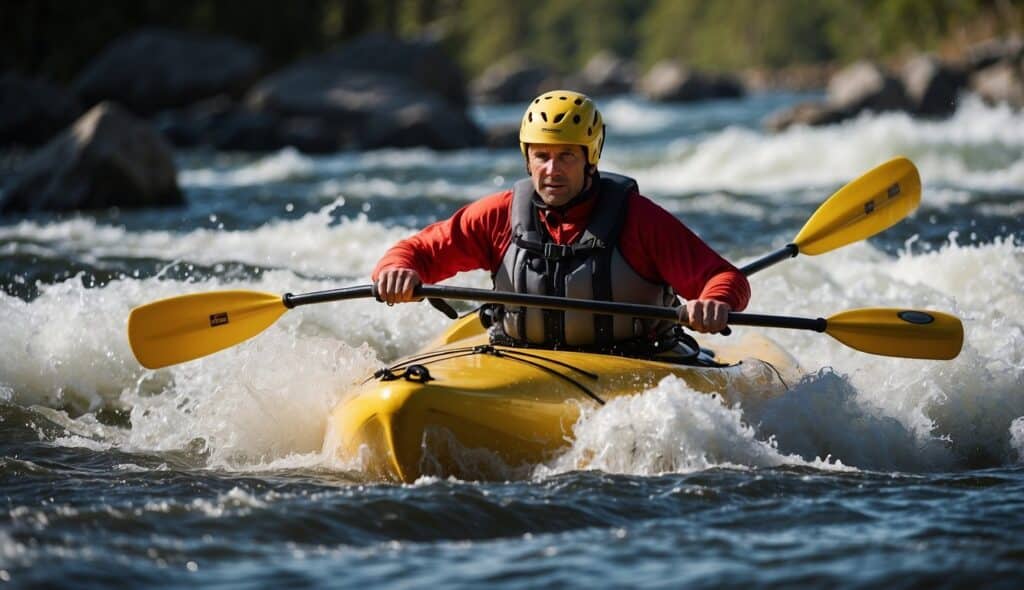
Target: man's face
[558, 171]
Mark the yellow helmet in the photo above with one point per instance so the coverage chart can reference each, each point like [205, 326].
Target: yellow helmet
[563, 117]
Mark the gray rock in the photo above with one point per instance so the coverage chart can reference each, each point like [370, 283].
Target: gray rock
[1000, 83]
[672, 81]
[866, 86]
[226, 125]
[420, 61]
[368, 109]
[195, 124]
[156, 69]
[108, 158]
[931, 86]
[604, 74]
[513, 79]
[33, 111]
[992, 51]
[806, 113]
[421, 123]
[243, 130]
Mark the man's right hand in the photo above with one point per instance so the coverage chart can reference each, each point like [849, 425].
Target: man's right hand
[395, 285]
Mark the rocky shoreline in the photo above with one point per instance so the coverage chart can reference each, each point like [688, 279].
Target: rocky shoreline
[111, 133]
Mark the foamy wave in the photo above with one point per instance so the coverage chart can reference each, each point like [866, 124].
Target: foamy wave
[668, 429]
[629, 117]
[287, 164]
[68, 347]
[980, 147]
[309, 245]
[371, 173]
[969, 402]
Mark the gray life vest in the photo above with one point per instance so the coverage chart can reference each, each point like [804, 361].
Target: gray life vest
[590, 268]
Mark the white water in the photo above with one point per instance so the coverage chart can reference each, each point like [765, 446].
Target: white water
[979, 148]
[264, 403]
[249, 406]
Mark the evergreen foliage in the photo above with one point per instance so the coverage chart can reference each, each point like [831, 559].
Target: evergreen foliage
[56, 38]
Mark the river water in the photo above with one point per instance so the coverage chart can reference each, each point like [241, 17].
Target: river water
[869, 472]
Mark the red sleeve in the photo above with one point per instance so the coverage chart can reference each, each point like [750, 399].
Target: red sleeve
[475, 237]
[663, 250]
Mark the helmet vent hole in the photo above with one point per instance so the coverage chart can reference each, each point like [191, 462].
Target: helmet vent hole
[536, 101]
[578, 101]
[548, 97]
[576, 119]
[563, 98]
[558, 117]
[589, 131]
[595, 119]
[544, 116]
[529, 117]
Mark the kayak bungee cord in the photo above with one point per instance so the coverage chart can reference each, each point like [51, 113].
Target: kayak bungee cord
[389, 373]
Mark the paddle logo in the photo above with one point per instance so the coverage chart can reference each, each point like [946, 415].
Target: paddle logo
[218, 319]
[915, 317]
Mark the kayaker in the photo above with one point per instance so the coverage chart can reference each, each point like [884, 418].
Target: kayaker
[570, 230]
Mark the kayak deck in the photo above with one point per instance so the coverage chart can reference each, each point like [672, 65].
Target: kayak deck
[465, 408]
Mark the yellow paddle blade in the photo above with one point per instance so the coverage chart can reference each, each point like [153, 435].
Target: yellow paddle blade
[180, 329]
[874, 202]
[907, 333]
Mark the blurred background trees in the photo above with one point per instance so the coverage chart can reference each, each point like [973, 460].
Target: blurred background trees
[55, 38]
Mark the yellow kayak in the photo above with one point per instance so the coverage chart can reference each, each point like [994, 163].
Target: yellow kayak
[462, 407]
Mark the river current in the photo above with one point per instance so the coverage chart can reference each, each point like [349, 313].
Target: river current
[868, 472]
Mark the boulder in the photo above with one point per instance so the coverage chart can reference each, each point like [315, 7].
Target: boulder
[33, 111]
[931, 86]
[363, 108]
[605, 73]
[193, 125]
[156, 69]
[796, 78]
[108, 158]
[1000, 83]
[865, 86]
[672, 81]
[512, 80]
[806, 113]
[420, 61]
[992, 51]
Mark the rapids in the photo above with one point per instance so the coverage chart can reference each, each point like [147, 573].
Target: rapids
[247, 424]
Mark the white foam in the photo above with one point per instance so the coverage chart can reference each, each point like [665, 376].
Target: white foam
[287, 164]
[980, 147]
[859, 410]
[670, 428]
[1017, 438]
[309, 245]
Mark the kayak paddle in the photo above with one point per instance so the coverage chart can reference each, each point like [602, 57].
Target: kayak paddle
[187, 327]
[874, 202]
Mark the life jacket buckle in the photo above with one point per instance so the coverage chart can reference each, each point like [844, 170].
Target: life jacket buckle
[556, 251]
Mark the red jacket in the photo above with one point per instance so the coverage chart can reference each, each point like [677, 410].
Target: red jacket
[657, 245]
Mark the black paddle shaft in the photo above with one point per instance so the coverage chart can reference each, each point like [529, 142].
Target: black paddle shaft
[787, 251]
[649, 312]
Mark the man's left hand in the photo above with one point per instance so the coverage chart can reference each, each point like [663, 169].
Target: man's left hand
[705, 315]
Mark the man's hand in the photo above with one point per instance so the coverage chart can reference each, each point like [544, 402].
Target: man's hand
[705, 315]
[395, 285]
